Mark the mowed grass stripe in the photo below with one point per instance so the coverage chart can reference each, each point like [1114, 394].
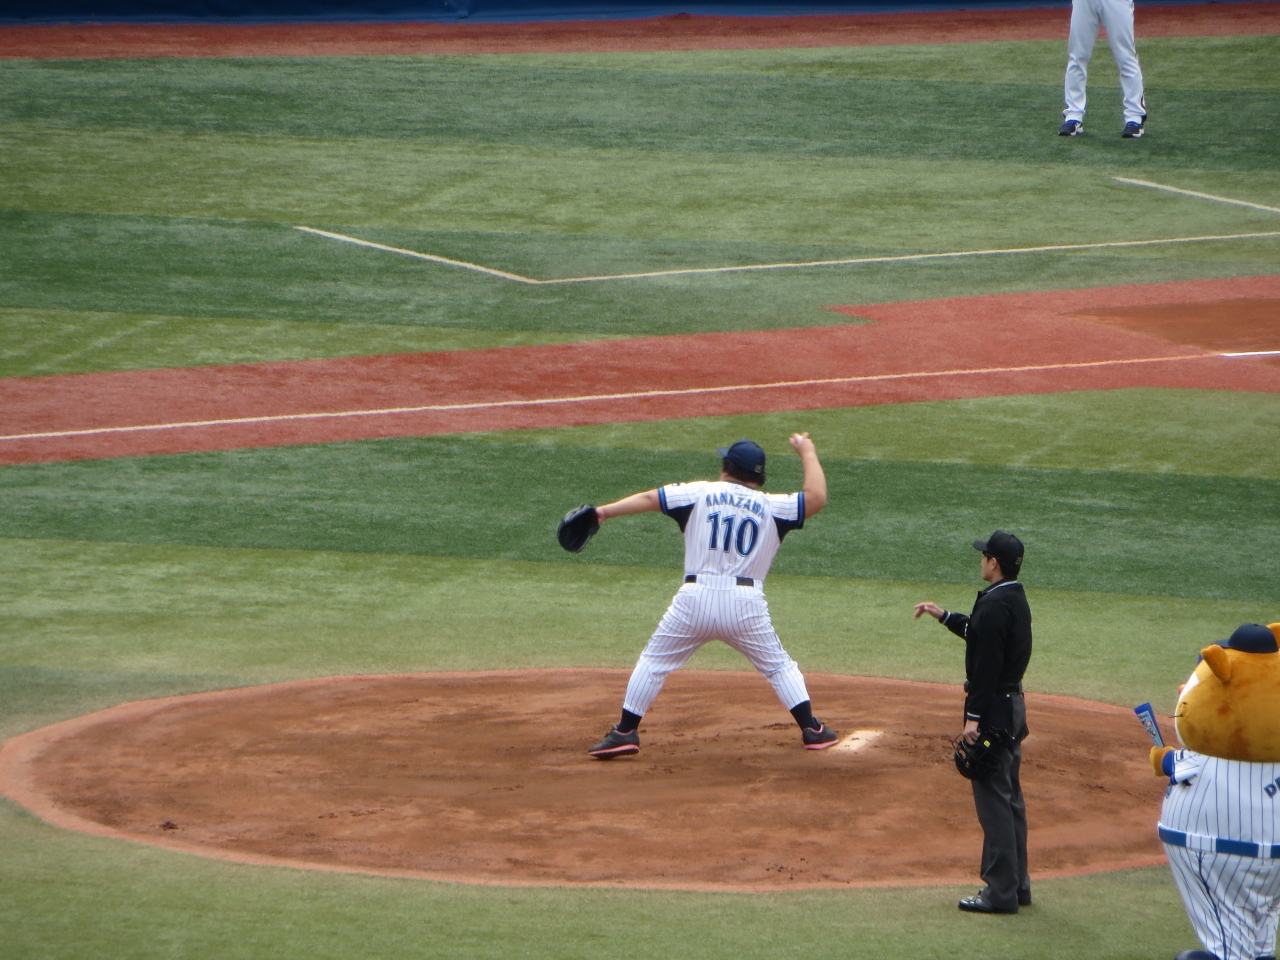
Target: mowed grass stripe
[46, 342]
[926, 114]
[1168, 62]
[1159, 534]
[1198, 432]
[446, 195]
[270, 272]
[99, 623]
[65, 895]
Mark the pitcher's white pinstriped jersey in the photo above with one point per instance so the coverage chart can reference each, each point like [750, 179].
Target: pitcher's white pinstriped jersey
[730, 529]
[1220, 824]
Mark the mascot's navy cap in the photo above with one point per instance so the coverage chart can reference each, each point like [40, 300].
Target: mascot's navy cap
[1006, 548]
[745, 454]
[1252, 638]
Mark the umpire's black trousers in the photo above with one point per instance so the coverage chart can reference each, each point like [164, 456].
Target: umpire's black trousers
[1003, 816]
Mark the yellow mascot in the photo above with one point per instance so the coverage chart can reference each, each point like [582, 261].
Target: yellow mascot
[1220, 822]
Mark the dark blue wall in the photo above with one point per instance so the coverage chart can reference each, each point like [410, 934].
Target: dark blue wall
[177, 11]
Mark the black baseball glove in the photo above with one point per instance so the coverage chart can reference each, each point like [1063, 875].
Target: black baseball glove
[980, 760]
[577, 528]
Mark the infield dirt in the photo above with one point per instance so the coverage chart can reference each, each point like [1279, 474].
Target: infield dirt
[484, 777]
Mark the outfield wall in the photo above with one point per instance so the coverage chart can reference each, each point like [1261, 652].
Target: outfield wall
[141, 11]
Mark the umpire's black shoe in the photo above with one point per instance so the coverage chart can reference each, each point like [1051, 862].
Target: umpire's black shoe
[979, 904]
[820, 738]
[617, 744]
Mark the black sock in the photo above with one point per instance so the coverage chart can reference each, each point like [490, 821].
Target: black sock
[803, 712]
[628, 722]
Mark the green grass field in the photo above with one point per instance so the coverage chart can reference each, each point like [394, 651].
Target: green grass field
[147, 221]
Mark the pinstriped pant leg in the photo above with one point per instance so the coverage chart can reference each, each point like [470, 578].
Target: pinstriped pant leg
[1266, 945]
[1256, 906]
[1231, 900]
[679, 635]
[754, 637]
[1188, 874]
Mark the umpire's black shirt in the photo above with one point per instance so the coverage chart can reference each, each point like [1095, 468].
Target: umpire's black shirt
[997, 638]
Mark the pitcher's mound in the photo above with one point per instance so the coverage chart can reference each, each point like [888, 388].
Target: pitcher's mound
[484, 777]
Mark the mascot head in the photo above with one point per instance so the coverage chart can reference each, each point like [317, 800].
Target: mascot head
[1230, 708]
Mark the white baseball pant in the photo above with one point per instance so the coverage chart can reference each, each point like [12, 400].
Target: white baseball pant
[714, 608]
[1117, 17]
[1233, 901]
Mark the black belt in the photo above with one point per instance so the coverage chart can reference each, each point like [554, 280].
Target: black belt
[1006, 689]
[742, 581]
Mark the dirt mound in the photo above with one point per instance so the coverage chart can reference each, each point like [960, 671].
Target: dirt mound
[483, 777]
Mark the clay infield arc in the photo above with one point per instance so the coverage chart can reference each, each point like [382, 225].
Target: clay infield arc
[483, 778]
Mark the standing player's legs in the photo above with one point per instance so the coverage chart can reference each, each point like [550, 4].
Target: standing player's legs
[1004, 845]
[1117, 17]
[1085, 18]
[1017, 804]
[1019, 808]
[698, 613]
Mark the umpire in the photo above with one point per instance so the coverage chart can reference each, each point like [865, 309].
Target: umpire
[997, 638]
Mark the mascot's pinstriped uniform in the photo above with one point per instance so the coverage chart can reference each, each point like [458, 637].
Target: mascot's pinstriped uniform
[1220, 823]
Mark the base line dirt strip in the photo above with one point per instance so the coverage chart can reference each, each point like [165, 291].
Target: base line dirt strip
[1099, 339]
[680, 32]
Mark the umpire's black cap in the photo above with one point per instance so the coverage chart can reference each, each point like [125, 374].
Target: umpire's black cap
[1006, 548]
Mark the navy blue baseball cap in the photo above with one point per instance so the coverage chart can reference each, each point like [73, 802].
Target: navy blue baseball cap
[1006, 548]
[1252, 638]
[746, 455]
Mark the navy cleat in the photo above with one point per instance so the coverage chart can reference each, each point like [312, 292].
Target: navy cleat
[1133, 129]
[617, 744]
[1071, 128]
[819, 739]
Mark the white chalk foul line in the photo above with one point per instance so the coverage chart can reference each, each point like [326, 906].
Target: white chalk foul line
[592, 398]
[343, 238]
[1197, 193]
[799, 265]
[1255, 353]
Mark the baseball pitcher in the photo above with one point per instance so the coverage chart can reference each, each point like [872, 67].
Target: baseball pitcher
[732, 529]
